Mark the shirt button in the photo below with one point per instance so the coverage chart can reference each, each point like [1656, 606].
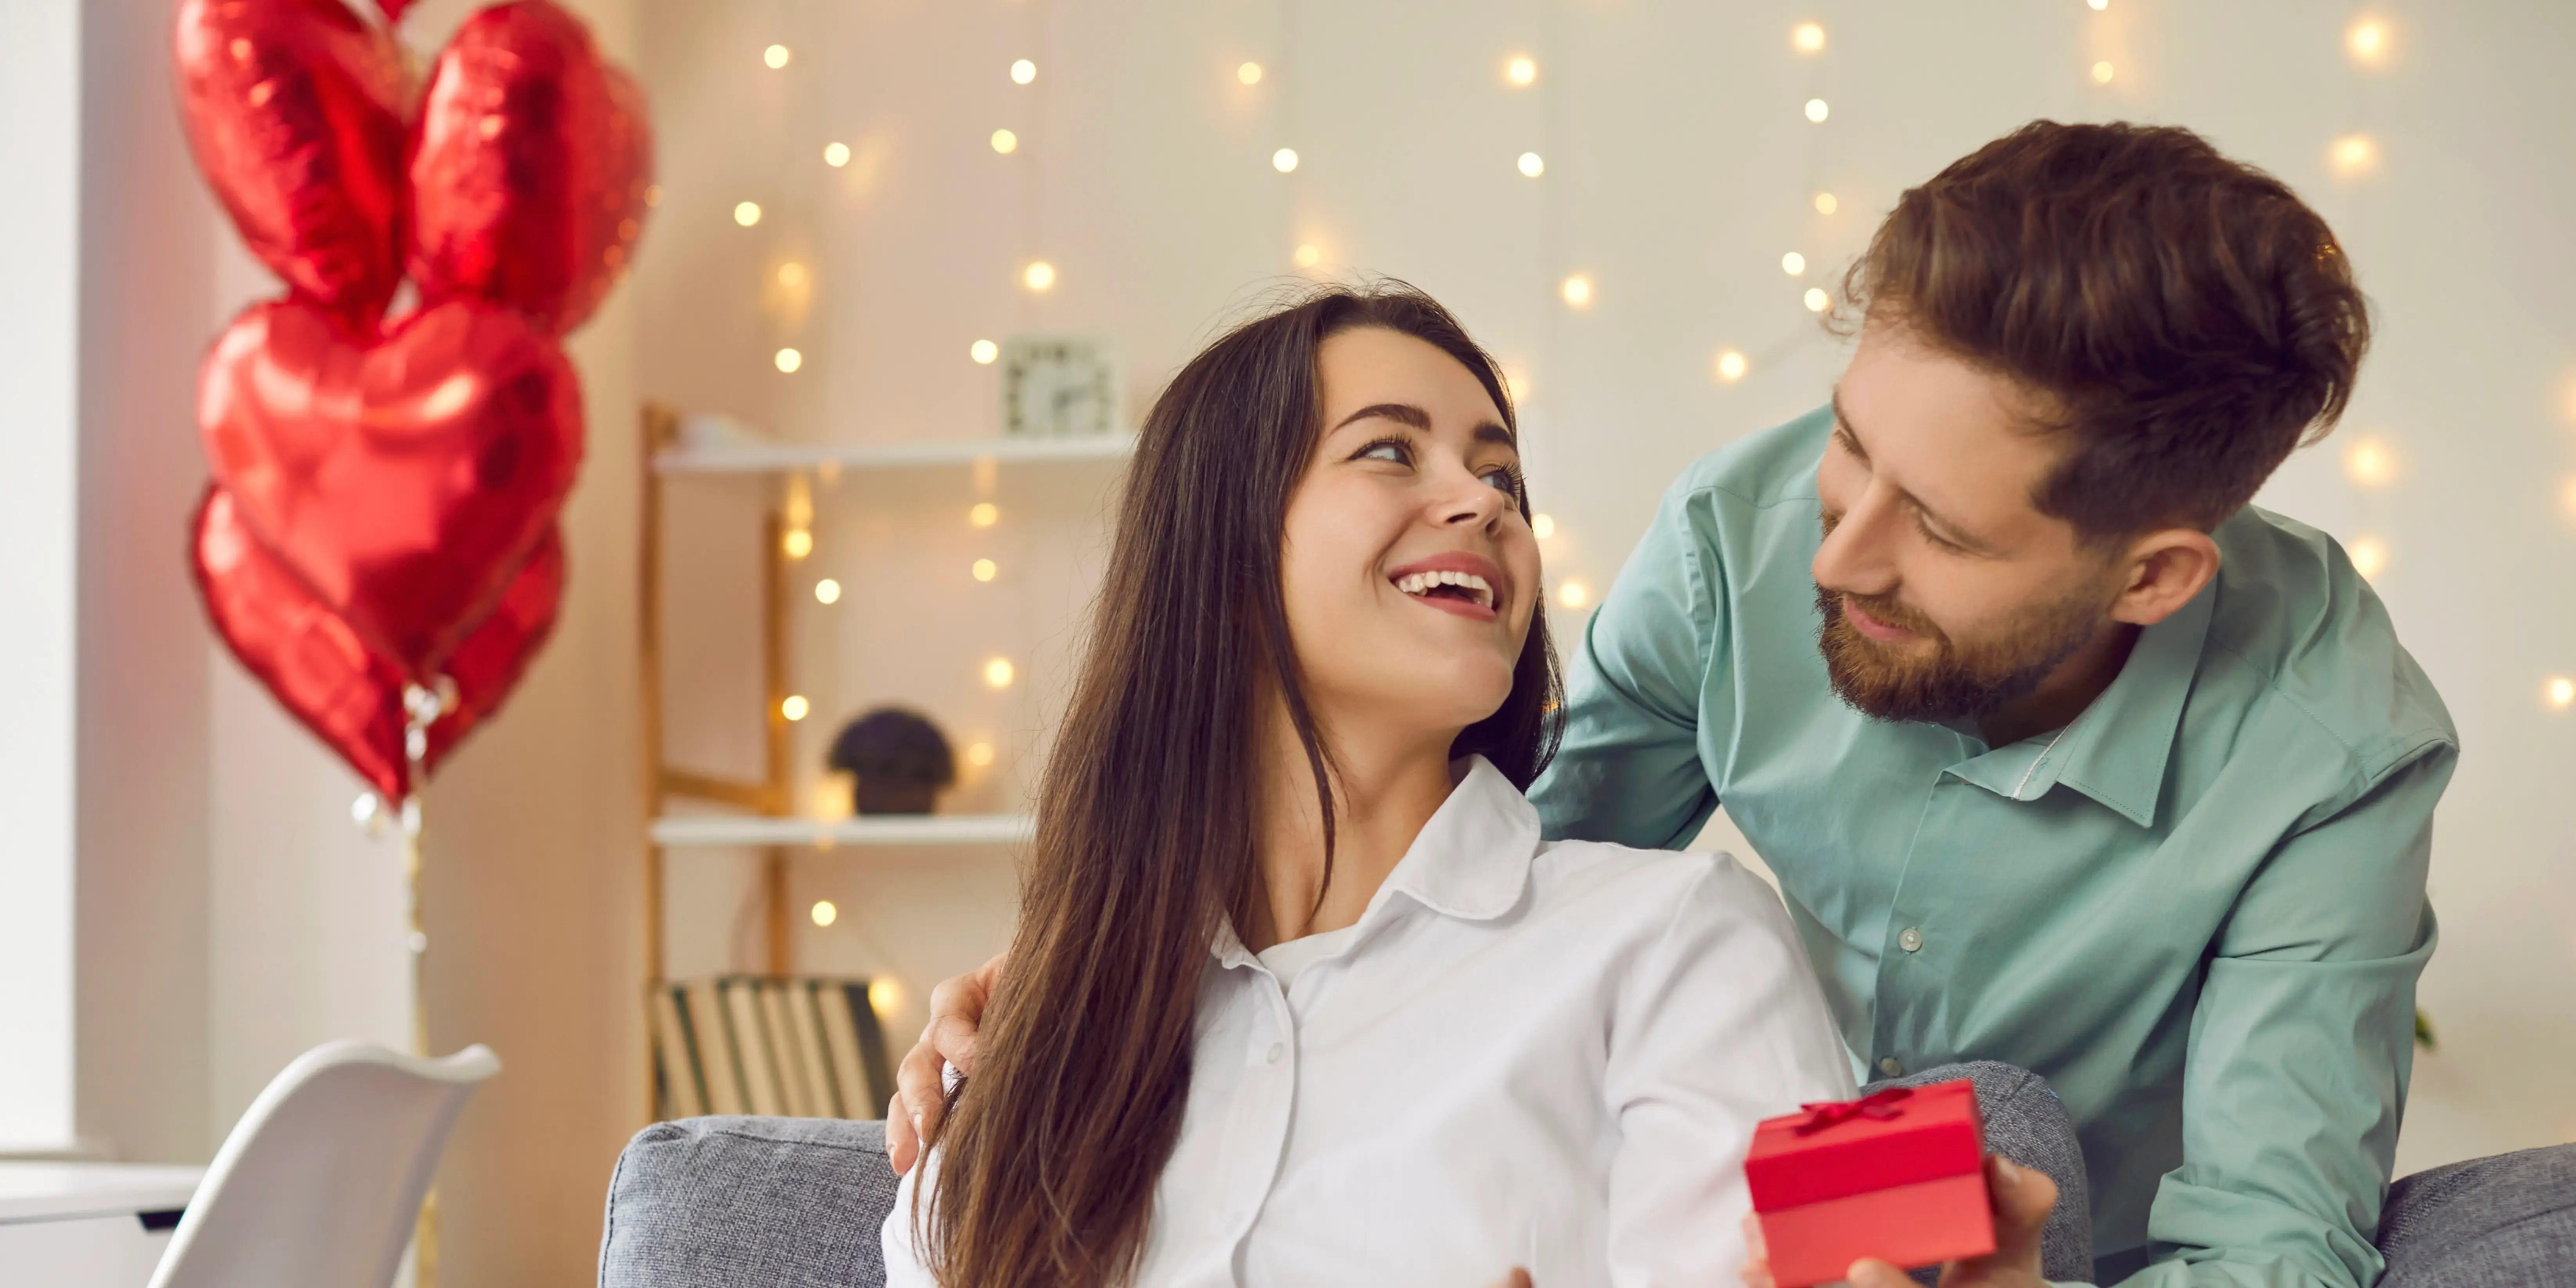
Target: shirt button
[1276, 1051]
[1911, 940]
[1892, 1067]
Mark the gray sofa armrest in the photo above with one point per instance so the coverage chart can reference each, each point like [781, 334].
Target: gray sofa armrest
[2026, 1123]
[2503, 1222]
[749, 1203]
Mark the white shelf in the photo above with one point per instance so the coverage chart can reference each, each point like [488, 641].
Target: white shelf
[711, 830]
[716, 445]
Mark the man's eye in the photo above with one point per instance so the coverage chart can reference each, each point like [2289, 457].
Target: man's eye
[1936, 538]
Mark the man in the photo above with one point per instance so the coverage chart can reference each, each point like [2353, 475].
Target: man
[2063, 755]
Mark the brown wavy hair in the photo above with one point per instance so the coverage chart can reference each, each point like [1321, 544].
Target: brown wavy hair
[2186, 320]
[1147, 813]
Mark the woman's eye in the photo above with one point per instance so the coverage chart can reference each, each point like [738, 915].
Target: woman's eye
[1385, 450]
[1501, 480]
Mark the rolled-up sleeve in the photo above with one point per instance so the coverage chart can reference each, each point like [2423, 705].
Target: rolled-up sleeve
[1719, 1026]
[2300, 1051]
[1629, 770]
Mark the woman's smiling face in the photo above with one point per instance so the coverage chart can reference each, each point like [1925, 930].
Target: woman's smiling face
[1408, 569]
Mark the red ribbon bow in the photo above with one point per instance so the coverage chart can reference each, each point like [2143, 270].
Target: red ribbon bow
[1880, 1105]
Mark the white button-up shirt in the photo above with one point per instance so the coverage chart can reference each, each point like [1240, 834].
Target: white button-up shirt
[1522, 1054]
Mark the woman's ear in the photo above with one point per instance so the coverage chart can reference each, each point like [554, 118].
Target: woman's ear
[2166, 568]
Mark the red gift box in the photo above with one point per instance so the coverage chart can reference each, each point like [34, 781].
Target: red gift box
[1898, 1175]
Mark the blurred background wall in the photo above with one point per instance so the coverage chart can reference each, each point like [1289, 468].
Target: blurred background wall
[230, 915]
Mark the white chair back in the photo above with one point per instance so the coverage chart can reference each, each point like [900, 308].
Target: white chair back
[320, 1182]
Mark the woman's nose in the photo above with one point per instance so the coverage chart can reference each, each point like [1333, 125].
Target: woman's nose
[1472, 504]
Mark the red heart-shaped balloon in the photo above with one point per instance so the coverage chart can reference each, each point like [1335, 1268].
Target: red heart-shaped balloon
[405, 479]
[530, 167]
[351, 698]
[298, 112]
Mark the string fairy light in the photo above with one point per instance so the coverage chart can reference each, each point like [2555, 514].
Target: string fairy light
[1521, 70]
[1826, 204]
[1574, 594]
[1249, 73]
[979, 754]
[1308, 255]
[794, 706]
[789, 360]
[2102, 73]
[1808, 37]
[2353, 156]
[1542, 526]
[1005, 142]
[1284, 160]
[1576, 290]
[1023, 71]
[836, 155]
[827, 591]
[2559, 692]
[746, 213]
[776, 56]
[2369, 556]
[985, 570]
[983, 352]
[797, 543]
[1731, 366]
[1794, 264]
[1816, 300]
[885, 996]
[984, 514]
[2367, 40]
[1532, 165]
[2369, 463]
[824, 913]
[1039, 276]
[998, 673]
[1817, 110]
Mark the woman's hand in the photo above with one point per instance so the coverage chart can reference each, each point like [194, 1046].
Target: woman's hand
[956, 1011]
[2022, 1199]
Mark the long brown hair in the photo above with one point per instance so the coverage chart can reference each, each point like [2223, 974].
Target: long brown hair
[1148, 810]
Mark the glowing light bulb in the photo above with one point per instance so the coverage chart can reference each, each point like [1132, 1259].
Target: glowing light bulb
[983, 352]
[1809, 37]
[2369, 556]
[2102, 73]
[789, 360]
[885, 997]
[747, 213]
[2559, 693]
[1817, 111]
[836, 155]
[2369, 463]
[1825, 203]
[1816, 299]
[824, 913]
[1516, 383]
[1023, 71]
[1005, 142]
[2367, 41]
[1039, 276]
[1309, 255]
[1542, 526]
[794, 706]
[775, 56]
[1574, 594]
[984, 515]
[653, 195]
[1730, 366]
[2098, 5]
[985, 569]
[1249, 73]
[1284, 160]
[827, 591]
[1521, 70]
[1532, 165]
[998, 672]
[2353, 156]
[797, 543]
[791, 275]
[979, 754]
[1577, 291]
[1794, 264]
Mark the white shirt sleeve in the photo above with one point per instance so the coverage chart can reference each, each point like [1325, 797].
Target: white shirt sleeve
[1720, 1025]
[904, 1265]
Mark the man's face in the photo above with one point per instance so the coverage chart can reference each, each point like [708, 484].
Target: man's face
[1945, 593]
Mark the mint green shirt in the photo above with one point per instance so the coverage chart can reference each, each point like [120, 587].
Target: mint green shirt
[2198, 910]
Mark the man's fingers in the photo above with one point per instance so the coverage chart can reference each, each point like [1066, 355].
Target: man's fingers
[1518, 1278]
[1870, 1272]
[1756, 1270]
[2023, 1197]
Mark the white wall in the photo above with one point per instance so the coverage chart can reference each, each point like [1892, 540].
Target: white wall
[1679, 168]
[40, 85]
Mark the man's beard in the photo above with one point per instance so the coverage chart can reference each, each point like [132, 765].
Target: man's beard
[1958, 682]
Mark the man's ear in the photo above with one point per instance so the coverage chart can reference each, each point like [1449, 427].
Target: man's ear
[2165, 569]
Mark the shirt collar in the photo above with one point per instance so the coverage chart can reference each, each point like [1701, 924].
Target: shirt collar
[1470, 861]
[2115, 751]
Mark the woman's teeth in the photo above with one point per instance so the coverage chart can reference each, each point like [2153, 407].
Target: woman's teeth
[1470, 586]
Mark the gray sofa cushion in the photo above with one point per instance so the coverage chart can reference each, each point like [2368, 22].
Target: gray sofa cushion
[798, 1202]
[2026, 1123]
[749, 1203]
[2502, 1222]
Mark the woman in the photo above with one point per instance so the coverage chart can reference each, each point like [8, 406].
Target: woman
[1285, 889]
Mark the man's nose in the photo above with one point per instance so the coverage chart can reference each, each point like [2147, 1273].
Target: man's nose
[1856, 555]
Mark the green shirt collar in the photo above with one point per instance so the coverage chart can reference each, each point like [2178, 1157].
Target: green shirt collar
[2115, 751]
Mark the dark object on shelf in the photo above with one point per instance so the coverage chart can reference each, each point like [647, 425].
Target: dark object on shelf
[899, 758]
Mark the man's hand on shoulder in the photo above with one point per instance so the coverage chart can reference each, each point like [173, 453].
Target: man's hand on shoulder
[956, 1013]
[2022, 1198]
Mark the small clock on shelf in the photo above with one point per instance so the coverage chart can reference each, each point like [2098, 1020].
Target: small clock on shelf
[1056, 386]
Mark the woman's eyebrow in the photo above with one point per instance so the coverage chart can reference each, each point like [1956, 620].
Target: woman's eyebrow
[1490, 432]
[1401, 413]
